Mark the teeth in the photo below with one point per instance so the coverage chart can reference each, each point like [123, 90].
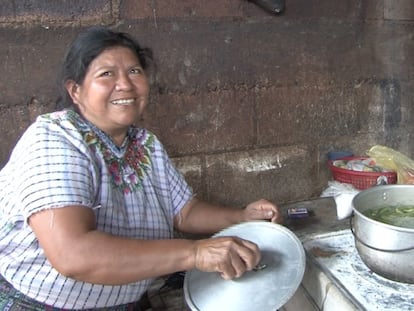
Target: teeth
[123, 101]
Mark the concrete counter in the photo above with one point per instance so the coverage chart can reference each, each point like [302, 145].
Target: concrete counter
[317, 291]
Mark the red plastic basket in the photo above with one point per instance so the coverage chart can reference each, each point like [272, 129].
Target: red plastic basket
[360, 180]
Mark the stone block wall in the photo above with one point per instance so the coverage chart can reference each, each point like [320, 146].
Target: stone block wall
[246, 102]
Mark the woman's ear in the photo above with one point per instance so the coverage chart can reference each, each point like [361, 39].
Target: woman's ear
[73, 90]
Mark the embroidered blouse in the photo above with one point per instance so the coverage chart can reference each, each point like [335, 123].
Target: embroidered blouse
[61, 159]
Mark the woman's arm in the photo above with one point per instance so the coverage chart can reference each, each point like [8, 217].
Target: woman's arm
[77, 250]
[204, 218]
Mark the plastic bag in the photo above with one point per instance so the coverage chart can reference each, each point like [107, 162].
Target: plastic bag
[336, 188]
[395, 161]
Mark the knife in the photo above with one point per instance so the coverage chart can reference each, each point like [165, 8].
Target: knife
[272, 6]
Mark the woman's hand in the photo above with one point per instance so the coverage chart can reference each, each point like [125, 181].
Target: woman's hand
[229, 256]
[262, 210]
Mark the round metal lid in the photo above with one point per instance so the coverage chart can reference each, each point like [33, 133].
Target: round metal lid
[267, 289]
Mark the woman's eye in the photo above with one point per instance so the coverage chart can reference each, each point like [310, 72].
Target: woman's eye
[137, 70]
[105, 74]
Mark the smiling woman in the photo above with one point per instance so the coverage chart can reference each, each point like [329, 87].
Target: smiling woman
[114, 92]
[102, 198]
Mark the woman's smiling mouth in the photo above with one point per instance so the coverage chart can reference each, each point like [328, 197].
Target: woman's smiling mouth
[123, 102]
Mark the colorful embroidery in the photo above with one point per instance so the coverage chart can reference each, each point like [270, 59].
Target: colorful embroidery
[128, 172]
[127, 169]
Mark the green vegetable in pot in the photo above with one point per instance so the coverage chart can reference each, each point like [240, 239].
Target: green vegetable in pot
[400, 216]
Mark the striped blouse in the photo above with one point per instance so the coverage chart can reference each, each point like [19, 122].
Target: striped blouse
[61, 159]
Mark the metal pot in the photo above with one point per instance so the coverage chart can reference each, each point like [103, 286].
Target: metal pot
[387, 250]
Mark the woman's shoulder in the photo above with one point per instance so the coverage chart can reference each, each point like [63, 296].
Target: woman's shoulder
[55, 128]
[62, 118]
[67, 123]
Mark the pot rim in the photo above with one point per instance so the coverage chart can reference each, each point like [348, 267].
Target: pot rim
[391, 227]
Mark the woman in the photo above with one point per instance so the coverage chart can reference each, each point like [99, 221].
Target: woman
[89, 202]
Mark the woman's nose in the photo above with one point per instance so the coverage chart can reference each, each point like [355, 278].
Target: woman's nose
[123, 83]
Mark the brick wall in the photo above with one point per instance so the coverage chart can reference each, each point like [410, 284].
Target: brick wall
[247, 103]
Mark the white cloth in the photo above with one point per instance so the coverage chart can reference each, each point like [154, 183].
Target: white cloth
[343, 195]
[61, 160]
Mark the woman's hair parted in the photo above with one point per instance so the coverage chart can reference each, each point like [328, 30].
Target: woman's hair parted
[86, 47]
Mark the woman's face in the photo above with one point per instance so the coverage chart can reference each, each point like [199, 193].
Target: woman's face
[114, 92]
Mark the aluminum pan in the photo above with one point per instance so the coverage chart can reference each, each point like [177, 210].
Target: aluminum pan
[266, 289]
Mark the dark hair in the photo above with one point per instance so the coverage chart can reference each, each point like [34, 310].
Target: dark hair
[86, 47]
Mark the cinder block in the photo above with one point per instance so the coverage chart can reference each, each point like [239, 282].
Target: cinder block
[346, 9]
[192, 169]
[7, 12]
[36, 107]
[298, 53]
[14, 120]
[50, 12]
[131, 9]
[292, 115]
[136, 10]
[204, 122]
[31, 61]
[399, 9]
[278, 174]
